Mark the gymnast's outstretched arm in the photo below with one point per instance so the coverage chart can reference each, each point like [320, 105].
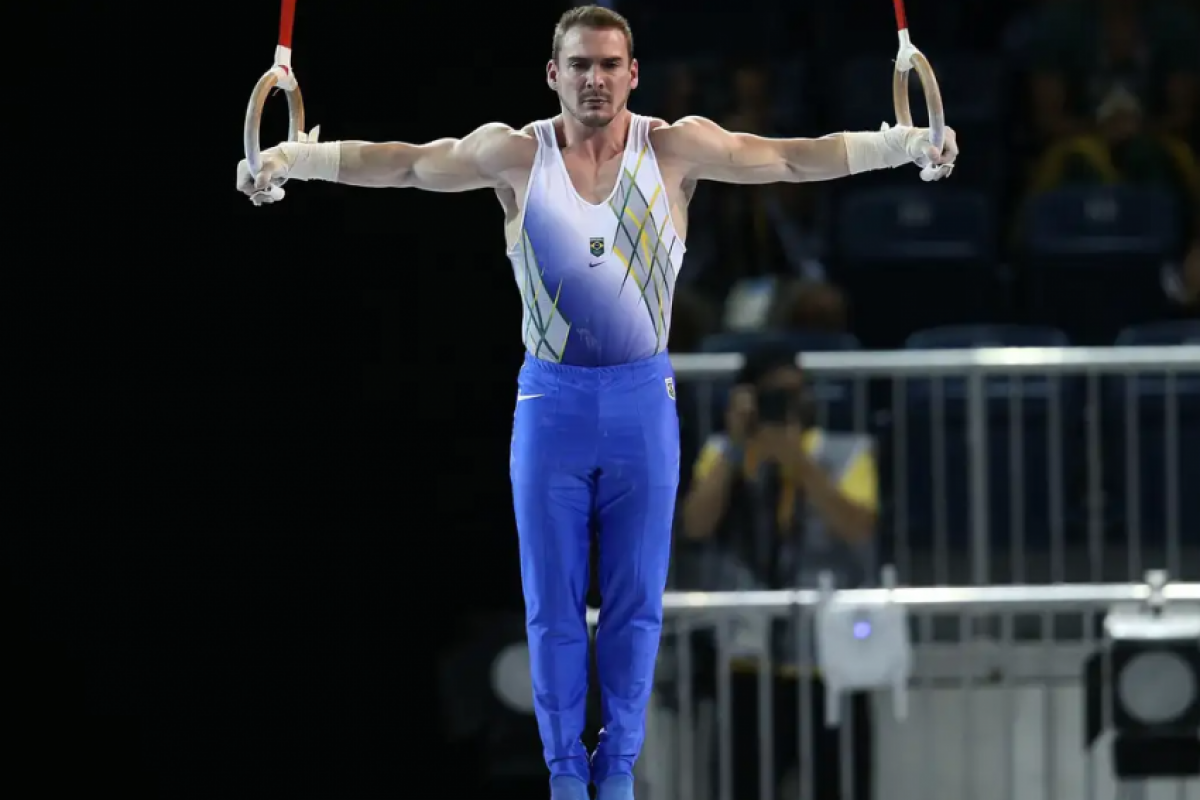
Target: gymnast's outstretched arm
[706, 151]
[480, 160]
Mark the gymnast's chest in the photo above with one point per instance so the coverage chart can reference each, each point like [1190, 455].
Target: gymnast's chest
[593, 183]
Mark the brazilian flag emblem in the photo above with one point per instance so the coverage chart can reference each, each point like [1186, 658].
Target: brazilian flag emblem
[596, 247]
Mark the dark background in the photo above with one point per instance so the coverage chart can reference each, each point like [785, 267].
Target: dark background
[277, 437]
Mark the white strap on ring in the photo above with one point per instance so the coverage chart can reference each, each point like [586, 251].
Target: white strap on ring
[906, 52]
[283, 68]
[286, 80]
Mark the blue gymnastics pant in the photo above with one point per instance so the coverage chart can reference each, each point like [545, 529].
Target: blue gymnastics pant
[594, 446]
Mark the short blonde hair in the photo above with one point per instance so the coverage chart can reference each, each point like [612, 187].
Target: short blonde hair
[595, 17]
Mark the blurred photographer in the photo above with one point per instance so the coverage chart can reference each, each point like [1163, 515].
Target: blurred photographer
[773, 470]
[775, 501]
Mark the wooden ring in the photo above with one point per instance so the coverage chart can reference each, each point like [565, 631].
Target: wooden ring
[933, 98]
[250, 138]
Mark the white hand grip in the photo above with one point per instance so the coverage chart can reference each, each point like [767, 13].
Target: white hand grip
[932, 173]
[276, 193]
[273, 194]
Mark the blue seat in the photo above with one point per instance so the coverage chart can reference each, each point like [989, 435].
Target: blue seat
[1152, 427]
[1168, 332]
[1029, 426]
[898, 250]
[835, 398]
[802, 341]
[1092, 258]
[959, 337]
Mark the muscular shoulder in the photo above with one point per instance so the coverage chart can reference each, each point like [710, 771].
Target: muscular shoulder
[499, 148]
[685, 129]
[687, 138]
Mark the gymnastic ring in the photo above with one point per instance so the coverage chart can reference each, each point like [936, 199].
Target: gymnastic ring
[933, 96]
[281, 77]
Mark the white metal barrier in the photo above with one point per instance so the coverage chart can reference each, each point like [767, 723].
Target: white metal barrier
[997, 707]
[1092, 445]
[996, 711]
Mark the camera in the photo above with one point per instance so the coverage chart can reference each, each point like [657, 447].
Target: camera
[776, 405]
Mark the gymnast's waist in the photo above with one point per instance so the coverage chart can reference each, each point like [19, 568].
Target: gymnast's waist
[653, 365]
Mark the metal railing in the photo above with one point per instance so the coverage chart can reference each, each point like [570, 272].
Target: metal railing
[995, 712]
[1077, 460]
[1060, 466]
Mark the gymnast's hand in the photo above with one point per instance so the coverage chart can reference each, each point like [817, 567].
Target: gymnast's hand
[267, 185]
[935, 164]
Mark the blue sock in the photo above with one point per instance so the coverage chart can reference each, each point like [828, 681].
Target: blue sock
[615, 787]
[566, 787]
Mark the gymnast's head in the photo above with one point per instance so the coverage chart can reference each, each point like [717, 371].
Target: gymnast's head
[592, 68]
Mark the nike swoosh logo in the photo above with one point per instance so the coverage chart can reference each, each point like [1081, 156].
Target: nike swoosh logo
[521, 397]
[594, 265]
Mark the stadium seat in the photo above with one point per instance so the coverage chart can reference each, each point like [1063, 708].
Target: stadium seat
[953, 337]
[1151, 334]
[1092, 256]
[802, 341]
[1029, 425]
[901, 252]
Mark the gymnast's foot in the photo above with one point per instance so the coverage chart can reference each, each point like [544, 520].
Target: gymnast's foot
[615, 787]
[565, 787]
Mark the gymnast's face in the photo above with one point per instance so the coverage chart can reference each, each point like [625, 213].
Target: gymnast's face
[593, 74]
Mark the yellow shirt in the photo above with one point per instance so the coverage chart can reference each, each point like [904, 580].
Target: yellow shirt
[859, 482]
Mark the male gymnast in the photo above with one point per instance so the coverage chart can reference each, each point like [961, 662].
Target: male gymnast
[595, 203]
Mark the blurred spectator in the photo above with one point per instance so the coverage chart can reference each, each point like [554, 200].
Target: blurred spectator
[810, 305]
[1114, 93]
[748, 304]
[1190, 278]
[775, 501]
[1123, 150]
[1084, 50]
[1182, 282]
